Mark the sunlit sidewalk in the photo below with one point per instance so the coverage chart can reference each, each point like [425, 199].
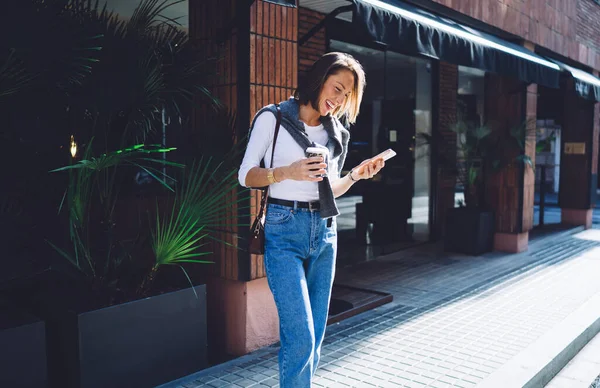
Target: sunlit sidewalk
[455, 321]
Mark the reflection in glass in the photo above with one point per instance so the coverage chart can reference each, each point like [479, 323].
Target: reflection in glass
[470, 106]
[178, 13]
[391, 211]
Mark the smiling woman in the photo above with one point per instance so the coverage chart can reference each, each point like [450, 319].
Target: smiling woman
[300, 227]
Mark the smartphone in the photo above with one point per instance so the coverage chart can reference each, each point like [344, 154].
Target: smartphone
[386, 155]
[316, 151]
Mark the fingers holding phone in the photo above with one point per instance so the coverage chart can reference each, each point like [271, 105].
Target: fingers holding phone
[371, 167]
[368, 169]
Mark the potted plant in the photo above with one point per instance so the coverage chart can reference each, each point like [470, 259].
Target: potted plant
[22, 334]
[115, 312]
[479, 153]
[126, 327]
[22, 348]
[469, 228]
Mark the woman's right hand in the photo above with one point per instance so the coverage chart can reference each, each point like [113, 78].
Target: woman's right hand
[306, 169]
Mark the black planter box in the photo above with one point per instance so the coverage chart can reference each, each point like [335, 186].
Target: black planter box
[22, 351]
[469, 231]
[143, 343]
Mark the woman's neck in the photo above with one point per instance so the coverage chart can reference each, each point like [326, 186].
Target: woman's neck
[309, 115]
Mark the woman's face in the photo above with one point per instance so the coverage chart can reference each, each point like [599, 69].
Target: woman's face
[336, 89]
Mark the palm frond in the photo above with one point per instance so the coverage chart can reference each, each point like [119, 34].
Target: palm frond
[13, 76]
[200, 204]
[56, 56]
[148, 13]
[126, 155]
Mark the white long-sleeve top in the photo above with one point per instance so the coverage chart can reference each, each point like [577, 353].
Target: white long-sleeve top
[287, 152]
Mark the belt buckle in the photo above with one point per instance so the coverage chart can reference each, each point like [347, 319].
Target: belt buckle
[313, 206]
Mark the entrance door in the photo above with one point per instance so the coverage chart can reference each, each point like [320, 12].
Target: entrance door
[388, 200]
[391, 211]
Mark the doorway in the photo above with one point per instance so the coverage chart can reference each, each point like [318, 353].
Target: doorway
[547, 158]
[391, 211]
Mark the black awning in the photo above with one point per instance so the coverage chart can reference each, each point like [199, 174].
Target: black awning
[412, 30]
[586, 85]
[287, 3]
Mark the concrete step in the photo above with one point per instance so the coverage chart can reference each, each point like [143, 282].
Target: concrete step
[582, 371]
[540, 362]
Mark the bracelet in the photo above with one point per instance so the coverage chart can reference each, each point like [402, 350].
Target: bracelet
[350, 175]
[271, 176]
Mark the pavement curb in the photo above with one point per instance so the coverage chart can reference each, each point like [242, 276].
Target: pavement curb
[540, 362]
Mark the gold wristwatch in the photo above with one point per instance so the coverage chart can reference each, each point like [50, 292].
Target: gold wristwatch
[271, 175]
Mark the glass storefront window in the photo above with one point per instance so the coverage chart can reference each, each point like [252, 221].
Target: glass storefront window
[471, 94]
[177, 13]
[392, 210]
[470, 106]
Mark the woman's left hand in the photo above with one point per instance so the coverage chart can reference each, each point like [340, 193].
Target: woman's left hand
[367, 169]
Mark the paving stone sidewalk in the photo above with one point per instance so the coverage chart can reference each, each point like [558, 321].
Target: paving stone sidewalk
[454, 319]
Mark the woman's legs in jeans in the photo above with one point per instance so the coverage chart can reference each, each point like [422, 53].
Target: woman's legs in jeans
[300, 260]
[320, 272]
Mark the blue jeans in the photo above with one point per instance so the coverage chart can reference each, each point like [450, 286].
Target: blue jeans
[300, 251]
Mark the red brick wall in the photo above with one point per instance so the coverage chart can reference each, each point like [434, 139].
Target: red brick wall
[588, 32]
[568, 27]
[446, 177]
[273, 71]
[273, 77]
[504, 110]
[206, 21]
[576, 170]
[310, 51]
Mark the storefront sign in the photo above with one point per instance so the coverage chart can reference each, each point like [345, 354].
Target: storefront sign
[582, 88]
[574, 148]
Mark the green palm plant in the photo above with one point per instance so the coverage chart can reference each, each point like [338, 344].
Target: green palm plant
[472, 144]
[528, 133]
[147, 69]
[56, 54]
[199, 213]
[480, 150]
[13, 77]
[110, 82]
[94, 178]
[466, 159]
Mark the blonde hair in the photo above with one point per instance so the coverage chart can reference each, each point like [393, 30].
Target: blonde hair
[309, 88]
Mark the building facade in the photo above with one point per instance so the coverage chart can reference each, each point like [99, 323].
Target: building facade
[427, 62]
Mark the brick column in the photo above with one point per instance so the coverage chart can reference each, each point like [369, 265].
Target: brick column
[316, 46]
[258, 66]
[510, 191]
[579, 158]
[445, 96]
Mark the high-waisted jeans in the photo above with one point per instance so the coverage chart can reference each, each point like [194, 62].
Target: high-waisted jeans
[300, 251]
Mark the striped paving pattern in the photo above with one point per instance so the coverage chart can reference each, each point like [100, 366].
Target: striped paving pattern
[461, 319]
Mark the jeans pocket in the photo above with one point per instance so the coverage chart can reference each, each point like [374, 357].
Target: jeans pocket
[278, 216]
